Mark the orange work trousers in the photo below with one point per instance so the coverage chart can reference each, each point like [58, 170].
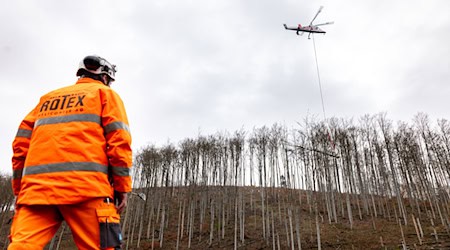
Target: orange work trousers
[34, 225]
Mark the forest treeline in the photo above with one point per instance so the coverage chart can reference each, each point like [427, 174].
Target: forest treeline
[349, 169]
[371, 157]
[341, 170]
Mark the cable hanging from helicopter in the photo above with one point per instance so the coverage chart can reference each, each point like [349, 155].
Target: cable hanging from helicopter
[311, 29]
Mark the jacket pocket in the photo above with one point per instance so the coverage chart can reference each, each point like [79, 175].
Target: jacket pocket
[109, 221]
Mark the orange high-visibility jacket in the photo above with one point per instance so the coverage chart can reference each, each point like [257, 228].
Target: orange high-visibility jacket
[72, 146]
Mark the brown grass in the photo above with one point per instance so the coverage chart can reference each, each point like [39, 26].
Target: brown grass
[367, 233]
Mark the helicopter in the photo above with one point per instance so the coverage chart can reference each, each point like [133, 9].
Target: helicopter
[311, 28]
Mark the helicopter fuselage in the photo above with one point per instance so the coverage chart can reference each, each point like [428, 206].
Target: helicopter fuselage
[308, 29]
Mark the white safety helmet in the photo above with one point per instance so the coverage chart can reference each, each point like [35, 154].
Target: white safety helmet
[97, 65]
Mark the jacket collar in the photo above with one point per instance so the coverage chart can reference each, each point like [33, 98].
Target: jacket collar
[88, 80]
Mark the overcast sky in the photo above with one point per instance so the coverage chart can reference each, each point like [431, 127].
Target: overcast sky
[204, 66]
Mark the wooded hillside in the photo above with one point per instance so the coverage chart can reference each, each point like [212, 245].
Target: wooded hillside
[346, 184]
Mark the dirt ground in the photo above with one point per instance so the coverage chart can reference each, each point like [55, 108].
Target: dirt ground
[370, 232]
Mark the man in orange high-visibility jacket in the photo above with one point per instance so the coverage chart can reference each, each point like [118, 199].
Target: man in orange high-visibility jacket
[72, 160]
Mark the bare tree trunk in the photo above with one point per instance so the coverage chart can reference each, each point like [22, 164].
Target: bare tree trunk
[291, 229]
[319, 244]
[211, 232]
[61, 236]
[179, 230]
[297, 228]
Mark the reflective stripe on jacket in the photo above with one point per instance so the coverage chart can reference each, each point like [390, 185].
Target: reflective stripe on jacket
[72, 146]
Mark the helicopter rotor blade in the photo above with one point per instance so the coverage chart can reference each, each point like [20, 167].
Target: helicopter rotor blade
[327, 23]
[320, 9]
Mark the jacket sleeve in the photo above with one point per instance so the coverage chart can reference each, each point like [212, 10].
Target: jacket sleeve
[118, 141]
[20, 146]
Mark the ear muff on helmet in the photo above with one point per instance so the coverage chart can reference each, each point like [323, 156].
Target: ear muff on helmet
[97, 65]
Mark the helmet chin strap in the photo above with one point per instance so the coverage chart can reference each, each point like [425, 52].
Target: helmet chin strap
[106, 80]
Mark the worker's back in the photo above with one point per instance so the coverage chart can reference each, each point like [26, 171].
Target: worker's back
[67, 160]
